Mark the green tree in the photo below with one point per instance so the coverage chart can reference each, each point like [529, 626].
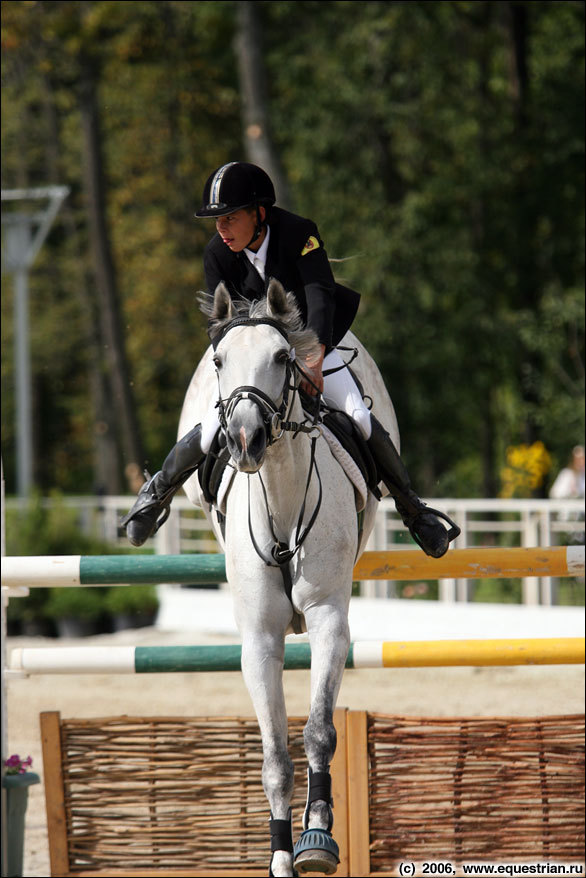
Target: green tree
[439, 146]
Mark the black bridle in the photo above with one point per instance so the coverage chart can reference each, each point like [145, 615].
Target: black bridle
[276, 423]
[273, 415]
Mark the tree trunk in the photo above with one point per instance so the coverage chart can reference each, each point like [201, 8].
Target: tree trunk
[113, 341]
[528, 285]
[106, 453]
[255, 116]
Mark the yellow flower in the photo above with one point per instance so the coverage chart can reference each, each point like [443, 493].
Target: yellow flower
[527, 466]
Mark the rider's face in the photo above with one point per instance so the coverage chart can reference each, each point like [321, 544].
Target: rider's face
[237, 229]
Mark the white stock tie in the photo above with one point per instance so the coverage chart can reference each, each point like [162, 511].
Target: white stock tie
[258, 264]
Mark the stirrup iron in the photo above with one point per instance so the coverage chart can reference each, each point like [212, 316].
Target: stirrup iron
[453, 532]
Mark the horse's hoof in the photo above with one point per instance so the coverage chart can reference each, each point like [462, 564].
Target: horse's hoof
[316, 851]
[272, 874]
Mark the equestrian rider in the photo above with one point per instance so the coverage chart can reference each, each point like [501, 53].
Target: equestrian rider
[256, 241]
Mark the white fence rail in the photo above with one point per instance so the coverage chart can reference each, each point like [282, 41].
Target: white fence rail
[493, 522]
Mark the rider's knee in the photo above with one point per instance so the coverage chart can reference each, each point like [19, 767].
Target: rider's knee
[361, 417]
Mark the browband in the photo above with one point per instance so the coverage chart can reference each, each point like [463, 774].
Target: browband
[248, 321]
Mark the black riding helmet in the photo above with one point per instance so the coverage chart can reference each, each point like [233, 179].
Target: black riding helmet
[235, 186]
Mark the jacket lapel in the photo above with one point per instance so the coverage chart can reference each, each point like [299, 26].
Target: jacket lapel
[272, 255]
[252, 284]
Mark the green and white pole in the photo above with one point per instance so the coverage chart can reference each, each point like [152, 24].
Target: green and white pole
[362, 654]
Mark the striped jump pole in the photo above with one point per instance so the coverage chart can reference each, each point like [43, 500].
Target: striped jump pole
[362, 654]
[73, 570]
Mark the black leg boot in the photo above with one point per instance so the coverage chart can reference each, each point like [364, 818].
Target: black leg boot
[422, 521]
[152, 506]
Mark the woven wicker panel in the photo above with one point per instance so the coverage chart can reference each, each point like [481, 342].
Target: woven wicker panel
[169, 792]
[473, 790]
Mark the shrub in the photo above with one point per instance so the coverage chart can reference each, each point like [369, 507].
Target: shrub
[78, 603]
[128, 599]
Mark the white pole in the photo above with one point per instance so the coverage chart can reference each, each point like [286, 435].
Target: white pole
[4, 606]
[24, 432]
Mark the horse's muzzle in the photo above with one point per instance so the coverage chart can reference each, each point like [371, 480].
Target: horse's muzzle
[247, 444]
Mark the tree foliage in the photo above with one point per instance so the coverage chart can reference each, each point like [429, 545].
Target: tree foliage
[439, 147]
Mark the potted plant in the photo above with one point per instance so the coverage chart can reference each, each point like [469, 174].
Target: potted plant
[28, 616]
[132, 606]
[78, 611]
[16, 780]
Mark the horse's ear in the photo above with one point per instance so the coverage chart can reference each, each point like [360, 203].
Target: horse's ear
[222, 308]
[277, 300]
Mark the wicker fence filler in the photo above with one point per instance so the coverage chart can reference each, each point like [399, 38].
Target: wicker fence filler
[183, 796]
[179, 793]
[475, 790]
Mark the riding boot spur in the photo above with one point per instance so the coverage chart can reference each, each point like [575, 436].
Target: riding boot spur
[422, 521]
[152, 506]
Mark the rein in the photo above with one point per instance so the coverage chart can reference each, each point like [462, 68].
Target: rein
[281, 553]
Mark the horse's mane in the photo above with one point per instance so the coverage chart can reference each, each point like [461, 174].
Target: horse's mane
[282, 308]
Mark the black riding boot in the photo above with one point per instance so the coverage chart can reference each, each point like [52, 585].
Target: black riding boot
[422, 522]
[152, 506]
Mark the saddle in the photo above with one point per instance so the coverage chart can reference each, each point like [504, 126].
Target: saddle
[211, 470]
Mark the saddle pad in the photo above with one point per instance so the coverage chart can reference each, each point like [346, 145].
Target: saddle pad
[349, 466]
[345, 460]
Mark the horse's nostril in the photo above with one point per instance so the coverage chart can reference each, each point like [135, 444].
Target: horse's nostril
[257, 445]
[241, 444]
[233, 442]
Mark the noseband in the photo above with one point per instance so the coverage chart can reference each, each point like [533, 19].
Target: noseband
[272, 416]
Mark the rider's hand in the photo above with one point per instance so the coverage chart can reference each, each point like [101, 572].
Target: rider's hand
[313, 368]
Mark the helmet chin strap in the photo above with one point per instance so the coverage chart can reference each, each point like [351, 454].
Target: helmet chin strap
[258, 229]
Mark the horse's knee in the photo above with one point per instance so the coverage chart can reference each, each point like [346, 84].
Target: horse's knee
[361, 417]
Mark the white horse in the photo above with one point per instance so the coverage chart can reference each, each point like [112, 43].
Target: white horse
[290, 524]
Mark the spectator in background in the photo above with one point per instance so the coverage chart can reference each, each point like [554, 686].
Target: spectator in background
[569, 482]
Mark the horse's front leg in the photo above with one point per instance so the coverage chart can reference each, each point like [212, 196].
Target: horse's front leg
[263, 624]
[329, 635]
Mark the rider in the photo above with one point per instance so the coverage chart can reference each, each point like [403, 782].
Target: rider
[256, 241]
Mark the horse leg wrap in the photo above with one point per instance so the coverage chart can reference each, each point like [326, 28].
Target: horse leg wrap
[316, 850]
[319, 789]
[281, 834]
[281, 838]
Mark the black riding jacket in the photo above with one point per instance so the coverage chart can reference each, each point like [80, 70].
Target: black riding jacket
[297, 258]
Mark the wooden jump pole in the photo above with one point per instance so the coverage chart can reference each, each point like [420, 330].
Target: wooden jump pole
[74, 570]
[365, 654]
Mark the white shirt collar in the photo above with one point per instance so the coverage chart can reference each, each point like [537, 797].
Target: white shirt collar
[259, 259]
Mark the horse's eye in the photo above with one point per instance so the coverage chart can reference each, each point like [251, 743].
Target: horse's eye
[281, 357]
[217, 361]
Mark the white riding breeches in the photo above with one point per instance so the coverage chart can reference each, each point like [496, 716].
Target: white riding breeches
[209, 427]
[340, 392]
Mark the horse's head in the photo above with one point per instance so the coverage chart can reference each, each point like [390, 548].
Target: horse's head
[255, 344]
